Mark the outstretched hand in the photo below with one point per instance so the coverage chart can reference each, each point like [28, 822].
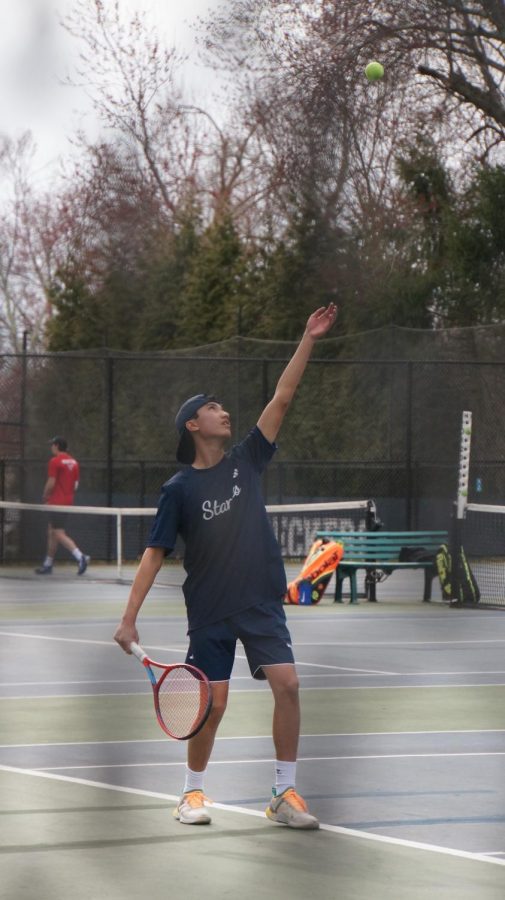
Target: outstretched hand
[321, 321]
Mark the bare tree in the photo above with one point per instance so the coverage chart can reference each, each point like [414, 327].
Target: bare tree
[131, 80]
[26, 248]
[184, 153]
[458, 46]
[446, 59]
[39, 233]
[327, 137]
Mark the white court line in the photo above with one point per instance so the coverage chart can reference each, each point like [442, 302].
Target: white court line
[390, 643]
[47, 637]
[336, 829]
[335, 668]
[264, 687]
[152, 765]
[396, 643]
[242, 762]
[358, 674]
[87, 681]
[307, 622]
[256, 737]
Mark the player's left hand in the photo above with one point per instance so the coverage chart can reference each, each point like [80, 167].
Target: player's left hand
[321, 321]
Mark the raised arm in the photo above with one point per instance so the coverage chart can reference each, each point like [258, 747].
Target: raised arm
[272, 416]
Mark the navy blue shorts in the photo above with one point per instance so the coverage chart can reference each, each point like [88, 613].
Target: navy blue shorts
[263, 632]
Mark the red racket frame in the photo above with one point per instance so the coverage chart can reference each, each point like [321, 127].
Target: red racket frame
[156, 684]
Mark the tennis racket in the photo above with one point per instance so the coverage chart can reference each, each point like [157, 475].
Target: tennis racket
[182, 696]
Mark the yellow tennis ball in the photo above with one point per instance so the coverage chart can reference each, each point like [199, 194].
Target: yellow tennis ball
[374, 71]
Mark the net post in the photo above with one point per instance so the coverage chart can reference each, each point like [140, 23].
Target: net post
[409, 445]
[372, 521]
[2, 511]
[119, 544]
[461, 504]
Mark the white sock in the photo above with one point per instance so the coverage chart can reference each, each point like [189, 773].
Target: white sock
[77, 554]
[194, 780]
[48, 561]
[285, 776]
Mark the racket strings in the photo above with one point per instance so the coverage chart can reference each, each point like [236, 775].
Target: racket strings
[183, 701]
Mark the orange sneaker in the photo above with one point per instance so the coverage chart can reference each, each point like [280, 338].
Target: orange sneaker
[290, 809]
[191, 809]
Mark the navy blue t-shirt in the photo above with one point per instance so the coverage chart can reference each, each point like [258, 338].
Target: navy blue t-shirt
[232, 558]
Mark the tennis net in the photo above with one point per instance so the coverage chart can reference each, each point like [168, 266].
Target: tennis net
[116, 535]
[483, 539]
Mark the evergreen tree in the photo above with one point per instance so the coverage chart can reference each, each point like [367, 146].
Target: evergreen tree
[77, 321]
[213, 287]
[163, 272]
[89, 320]
[400, 254]
[295, 276]
[473, 290]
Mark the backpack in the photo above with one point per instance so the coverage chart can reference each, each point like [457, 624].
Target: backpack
[468, 588]
[416, 554]
[322, 560]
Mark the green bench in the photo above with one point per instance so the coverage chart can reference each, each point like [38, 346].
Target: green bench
[378, 552]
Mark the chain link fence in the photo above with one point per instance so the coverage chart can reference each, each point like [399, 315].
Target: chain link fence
[376, 415]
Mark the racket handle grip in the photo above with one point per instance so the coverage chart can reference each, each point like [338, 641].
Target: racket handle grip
[137, 651]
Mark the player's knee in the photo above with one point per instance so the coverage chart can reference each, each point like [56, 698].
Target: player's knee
[218, 709]
[288, 686]
[293, 686]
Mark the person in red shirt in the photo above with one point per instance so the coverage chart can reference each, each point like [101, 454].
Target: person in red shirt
[62, 482]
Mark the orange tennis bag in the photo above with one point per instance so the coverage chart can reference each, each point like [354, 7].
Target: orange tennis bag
[322, 560]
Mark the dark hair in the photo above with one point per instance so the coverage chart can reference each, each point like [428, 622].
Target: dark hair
[186, 449]
[60, 443]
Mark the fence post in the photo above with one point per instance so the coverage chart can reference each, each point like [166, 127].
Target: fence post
[142, 503]
[238, 379]
[408, 448]
[264, 386]
[280, 482]
[110, 446]
[2, 511]
[22, 417]
[264, 401]
[119, 545]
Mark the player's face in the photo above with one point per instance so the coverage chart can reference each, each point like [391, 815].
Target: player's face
[213, 420]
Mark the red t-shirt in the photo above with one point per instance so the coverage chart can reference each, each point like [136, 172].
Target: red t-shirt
[65, 470]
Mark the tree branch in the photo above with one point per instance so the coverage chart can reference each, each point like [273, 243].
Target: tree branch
[456, 83]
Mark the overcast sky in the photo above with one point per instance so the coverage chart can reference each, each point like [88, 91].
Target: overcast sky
[33, 49]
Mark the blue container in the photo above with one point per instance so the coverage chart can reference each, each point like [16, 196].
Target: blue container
[305, 588]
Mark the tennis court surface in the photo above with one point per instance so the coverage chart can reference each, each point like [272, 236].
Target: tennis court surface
[401, 757]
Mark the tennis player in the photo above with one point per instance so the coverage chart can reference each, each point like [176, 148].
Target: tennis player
[62, 482]
[235, 576]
